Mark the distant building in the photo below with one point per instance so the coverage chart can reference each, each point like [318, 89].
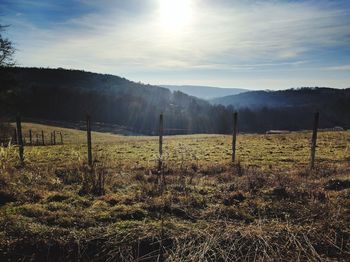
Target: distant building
[274, 132]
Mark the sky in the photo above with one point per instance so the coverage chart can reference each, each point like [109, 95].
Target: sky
[270, 44]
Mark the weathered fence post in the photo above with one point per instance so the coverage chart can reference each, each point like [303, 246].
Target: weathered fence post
[19, 139]
[54, 137]
[51, 138]
[37, 139]
[162, 184]
[234, 137]
[15, 140]
[160, 160]
[88, 135]
[30, 137]
[314, 140]
[61, 138]
[42, 137]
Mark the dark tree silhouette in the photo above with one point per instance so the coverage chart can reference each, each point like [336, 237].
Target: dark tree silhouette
[7, 85]
[7, 49]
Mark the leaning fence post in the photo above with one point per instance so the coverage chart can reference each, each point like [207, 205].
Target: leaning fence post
[42, 137]
[314, 140]
[234, 137]
[20, 140]
[160, 160]
[88, 135]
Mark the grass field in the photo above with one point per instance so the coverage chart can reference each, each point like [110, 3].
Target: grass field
[267, 206]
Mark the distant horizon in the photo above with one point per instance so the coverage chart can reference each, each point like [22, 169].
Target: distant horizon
[270, 44]
[185, 83]
[164, 84]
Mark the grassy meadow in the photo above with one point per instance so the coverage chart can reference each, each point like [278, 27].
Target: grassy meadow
[266, 207]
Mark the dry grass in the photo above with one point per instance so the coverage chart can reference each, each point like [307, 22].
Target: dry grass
[268, 207]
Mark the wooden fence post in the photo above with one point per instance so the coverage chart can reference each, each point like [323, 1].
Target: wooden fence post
[88, 135]
[30, 137]
[314, 140]
[160, 160]
[42, 137]
[51, 138]
[234, 137]
[20, 139]
[15, 140]
[37, 139]
[54, 137]
[61, 138]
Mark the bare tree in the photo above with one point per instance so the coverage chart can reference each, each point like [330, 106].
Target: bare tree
[7, 49]
[7, 89]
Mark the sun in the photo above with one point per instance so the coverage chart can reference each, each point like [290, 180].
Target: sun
[174, 14]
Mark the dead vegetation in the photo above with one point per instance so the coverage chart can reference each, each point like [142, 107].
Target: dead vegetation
[204, 211]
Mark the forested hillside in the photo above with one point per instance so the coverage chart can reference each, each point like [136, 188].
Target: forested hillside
[291, 109]
[67, 95]
[299, 97]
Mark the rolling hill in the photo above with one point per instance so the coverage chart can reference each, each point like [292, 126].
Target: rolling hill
[301, 97]
[205, 92]
[119, 105]
[67, 95]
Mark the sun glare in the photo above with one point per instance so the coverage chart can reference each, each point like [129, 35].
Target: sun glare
[174, 14]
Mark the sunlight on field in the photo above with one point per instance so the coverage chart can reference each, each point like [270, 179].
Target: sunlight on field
[277, 152]
[266, 200]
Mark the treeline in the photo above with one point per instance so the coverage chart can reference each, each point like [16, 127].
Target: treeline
[295, 97]
[67, 95]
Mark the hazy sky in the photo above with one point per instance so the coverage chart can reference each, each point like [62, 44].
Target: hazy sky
[247, 43]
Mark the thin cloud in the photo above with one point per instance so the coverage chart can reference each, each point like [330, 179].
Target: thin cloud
[339, 68]
[228, 35]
